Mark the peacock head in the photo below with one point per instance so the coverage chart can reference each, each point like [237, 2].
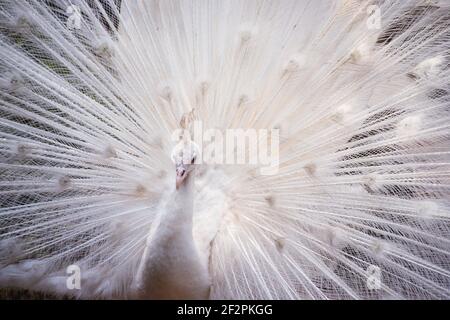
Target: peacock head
[184, 156]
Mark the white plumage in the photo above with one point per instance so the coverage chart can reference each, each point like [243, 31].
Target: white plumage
[87, 116]
[171, 266]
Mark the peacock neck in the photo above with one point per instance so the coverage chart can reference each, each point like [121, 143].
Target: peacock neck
[186, 189]
[181, 216]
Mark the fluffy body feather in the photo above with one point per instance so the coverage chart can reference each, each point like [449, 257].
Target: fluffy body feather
[86, 117]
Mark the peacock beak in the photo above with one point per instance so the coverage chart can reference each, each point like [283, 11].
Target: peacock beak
[181, 175]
